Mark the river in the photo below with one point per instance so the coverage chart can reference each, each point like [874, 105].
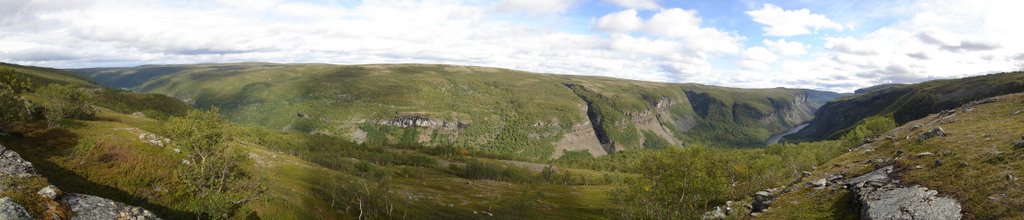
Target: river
[775, 138]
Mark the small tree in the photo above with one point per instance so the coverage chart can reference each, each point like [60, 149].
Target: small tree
[65, 102]
[212, 168]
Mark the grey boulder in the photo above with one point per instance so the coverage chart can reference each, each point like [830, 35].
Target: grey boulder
[92, 207]
[10, 210]
[880, 197]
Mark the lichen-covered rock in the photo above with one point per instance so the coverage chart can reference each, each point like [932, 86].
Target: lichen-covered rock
[11, 164]
[92, 207]
[936, 132]
[880, 197]
[51, 192]
[10, 210]
[914, 202]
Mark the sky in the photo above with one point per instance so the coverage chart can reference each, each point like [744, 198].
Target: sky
[825, 45]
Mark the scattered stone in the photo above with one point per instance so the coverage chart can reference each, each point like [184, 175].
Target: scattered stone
[1011, 178]
[936, 132]
[1018, 112]
[12, 210]
[947, 153]
[92, 207]
[177, 151]
[716, 214]
[938, 163]
[153, 139]
[762, 200]
[918, 167]
[11, 164]
[186, 161]
[879, 197]
[805, 174]
[917, 126]
[138, 114]
[50, 192]
[1019, 145]
[924, 154]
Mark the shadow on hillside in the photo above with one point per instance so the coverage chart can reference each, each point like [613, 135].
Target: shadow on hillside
[39, 147]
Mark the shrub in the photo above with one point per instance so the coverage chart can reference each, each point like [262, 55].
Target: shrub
[213, 174]
[63, 102]
[12, 108]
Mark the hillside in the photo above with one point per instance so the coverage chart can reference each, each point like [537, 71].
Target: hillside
[905, 103]
[975, 162]
[125, 157]
[495, 111]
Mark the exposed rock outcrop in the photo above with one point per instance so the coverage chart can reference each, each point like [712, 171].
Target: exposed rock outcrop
[410, 121]
[582, 137]
[92, 207]
[11, 164]
[881, 197]
[10, 210]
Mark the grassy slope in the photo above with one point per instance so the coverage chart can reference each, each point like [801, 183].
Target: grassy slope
[501, 106]
[105, 157]
[906, 102]
[981, 139]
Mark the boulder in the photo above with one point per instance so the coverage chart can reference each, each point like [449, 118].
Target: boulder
[91, 207]
[12, 210]
[762, 200]
[11, 164]
[51, 192]
[880, 197]
[936, 132]
[914, 202]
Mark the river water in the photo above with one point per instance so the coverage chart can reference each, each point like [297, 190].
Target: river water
[775, 138]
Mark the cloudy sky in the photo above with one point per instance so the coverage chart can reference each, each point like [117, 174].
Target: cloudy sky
[827, 45]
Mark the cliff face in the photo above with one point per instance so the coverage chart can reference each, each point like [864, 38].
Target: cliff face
[491, 110]
[906, 103]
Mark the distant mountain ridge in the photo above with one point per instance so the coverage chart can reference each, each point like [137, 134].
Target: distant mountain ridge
[488, 109]
[906, 102]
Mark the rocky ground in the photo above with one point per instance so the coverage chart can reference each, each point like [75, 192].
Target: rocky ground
[58, 205]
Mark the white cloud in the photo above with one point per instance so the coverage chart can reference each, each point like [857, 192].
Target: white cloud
[786, 48]
[757, 58]
[785, 23]
[535, 6]
[637, 4]
[623, 21]
[686, 25]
